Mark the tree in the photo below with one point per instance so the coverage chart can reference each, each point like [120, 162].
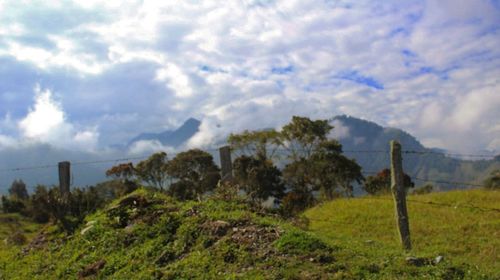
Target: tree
[18, 190]
[381, 183]
[262, 144]
[154, 170]
[124, 171]
[38, 202]
[195, 173]
[259, 178]
[317, 163]
[333, 173]
[493, 181]
[303, 135]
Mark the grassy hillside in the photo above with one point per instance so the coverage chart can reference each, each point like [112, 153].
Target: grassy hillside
[460, 226]
[147, 235]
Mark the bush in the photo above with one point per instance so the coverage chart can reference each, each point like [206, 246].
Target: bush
[427, 188]
[12, 205]
[296, 202]
[381, 183]
[493, 182]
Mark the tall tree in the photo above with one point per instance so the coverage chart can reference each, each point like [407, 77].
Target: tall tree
[195, 173]
[154, 170]
[303, 135]
[333, 172]
[262, 144]
[259, 178]
[317, 163]
[18, 190]
[123, 171]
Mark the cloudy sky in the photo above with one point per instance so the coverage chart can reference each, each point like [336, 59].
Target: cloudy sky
[88, 74]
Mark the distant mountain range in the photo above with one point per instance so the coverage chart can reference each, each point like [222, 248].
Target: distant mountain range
[365, 141]
[368, 143]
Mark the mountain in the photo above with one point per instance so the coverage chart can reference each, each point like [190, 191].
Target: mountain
[172, 138]
[368, 143]
[365, 141]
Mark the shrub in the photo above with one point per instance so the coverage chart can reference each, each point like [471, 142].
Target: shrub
[296, 202]
[427, 188]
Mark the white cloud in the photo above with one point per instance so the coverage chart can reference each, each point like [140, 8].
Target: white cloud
[46, 122]
[430, 67]
[145, 147]
[176, 79]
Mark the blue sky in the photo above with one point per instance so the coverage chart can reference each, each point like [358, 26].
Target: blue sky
[89, 74]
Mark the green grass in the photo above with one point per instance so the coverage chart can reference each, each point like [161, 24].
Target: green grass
[148, 235]
[459, 225]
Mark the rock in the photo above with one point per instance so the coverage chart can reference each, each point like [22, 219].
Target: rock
[438, 259]
[418, 261]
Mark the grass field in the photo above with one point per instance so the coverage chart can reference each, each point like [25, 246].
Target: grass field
[147, 235]
[461, 226]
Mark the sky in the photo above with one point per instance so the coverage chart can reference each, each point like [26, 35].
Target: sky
[90, 74]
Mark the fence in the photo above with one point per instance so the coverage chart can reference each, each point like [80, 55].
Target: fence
[224, 155]
[396, 167]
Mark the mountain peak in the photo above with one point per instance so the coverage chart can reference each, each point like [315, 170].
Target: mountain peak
[173, 138]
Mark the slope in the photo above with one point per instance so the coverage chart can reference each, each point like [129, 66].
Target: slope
[461, 226]
[147, 235]
[426, 164]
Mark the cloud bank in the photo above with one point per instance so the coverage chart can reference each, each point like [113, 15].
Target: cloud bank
[115, 70]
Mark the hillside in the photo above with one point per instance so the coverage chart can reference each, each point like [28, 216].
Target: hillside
[147, 235]
[461, 226]
[353, 133]
[427, 164]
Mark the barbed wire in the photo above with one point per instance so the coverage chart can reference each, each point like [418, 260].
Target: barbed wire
[438, 204]
[116, 160]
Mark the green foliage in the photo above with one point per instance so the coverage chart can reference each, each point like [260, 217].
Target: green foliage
[259, 178]
[16, 202]
[299, 243]
[195, 172]
[381, 183]
[425, 189]
[295, 202]
[124, 171]
[12, 205]
[153, 171]
[493, 181]
[332, 172]
[263, 144]
[18, 190]
[317, 163]
[302, 136]
[314, 162]
[162, 238]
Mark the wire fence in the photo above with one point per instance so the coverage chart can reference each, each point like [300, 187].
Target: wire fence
[214, 150]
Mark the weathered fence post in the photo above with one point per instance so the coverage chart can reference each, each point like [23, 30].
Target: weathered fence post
[399, 194]
[225, 163]
[64, 176]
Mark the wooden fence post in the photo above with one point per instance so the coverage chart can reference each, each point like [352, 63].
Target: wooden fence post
[226, 163]
[64, 176]
[399, 194]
